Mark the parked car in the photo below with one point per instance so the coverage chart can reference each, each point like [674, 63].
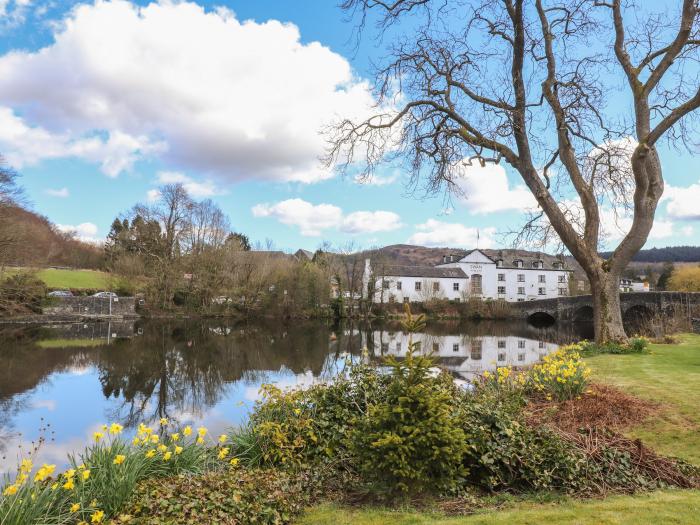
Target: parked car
[60, 293]
[105, 295]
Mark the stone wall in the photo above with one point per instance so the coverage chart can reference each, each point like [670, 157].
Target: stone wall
[91, 307]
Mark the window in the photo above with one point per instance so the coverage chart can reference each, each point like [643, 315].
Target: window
[501, 277]
[542, 278]
[455, 347]
[561, 278]
[501, 343]
[540, 344]
[392, 299]
[502, 356]
[476, 349]
[581, 285]
[562, 291]
[502, 290]
[385, 347]
[436, 347]
[398, 285]
[521, 277]
[541, 291]
[521, 357]
[521, 299]
[521, 343]
[417, 286]
[436, 287]
[405, 300]
[521, 290]
[417, 346]
[518, 263]
[385, 285]
[455, 287]
[398, 347]
[476, 284]
[499, 263]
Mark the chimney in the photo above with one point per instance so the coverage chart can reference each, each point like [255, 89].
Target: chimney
[444, 259]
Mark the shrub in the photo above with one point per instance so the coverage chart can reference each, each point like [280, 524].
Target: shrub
[411, 441]
[21, 293]
[638, 345]
[562, 374]
[234, 496]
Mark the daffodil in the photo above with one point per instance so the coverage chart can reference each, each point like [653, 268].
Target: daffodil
[150, 453]
[154, 438]
[119, 459]
[115, 428]
[97, 436]
[97, 516]
[187, 430]
[10, 490]
[202, 431]
[163, 422]
[178, 450]
[223, 438]
[135, 441]
[175, 436]
[75, 507]
[167, 455]
[234, 462]
[86, 474]
[69, 485]
[200, 440]
[223, 453]
[44, 472]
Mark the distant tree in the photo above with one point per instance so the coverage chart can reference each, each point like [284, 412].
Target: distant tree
[662, 283]
[10, 195]
[528, 83]
[239, 240]
[685, 279]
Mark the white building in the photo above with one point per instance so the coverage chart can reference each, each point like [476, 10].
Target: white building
[510, 278]
[628, 285]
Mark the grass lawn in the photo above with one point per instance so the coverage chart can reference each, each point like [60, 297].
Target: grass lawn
[670, 375]
[73, 279]
[678, 506]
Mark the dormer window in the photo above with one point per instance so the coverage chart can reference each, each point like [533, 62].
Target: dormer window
[499, 263]
[537, 264]
[518, 263]
[558, 265]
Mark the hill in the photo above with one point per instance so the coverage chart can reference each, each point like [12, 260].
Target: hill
[668, 254]
[30, 239]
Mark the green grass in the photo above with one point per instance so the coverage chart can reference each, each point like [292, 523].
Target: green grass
[70, 343]
[73, 279]
[669, 375]
[671, 506]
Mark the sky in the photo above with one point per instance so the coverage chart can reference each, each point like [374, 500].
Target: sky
[101, 102]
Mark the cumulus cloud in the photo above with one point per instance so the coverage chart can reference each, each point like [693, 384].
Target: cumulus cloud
[217, 95]
[313, 219]
[194, 188]
[487, 190]
[61, 193]
[439, 233]
[85, 231]
[682, 203]
[25, 145]
[378, 180]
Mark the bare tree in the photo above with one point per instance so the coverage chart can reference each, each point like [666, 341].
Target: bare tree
[10, 195]
[530, 82]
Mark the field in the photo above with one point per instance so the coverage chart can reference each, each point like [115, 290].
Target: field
[668, 375]
[73, 279]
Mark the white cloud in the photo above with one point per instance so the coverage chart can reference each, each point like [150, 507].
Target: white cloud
[371, 222]
[683, 203]
[378, 180]
[195, 189]
[688, 231]
[239, 99]
[487, 190]
[85, 231]
[312, 219]
[61, 193]
[438, 233]
[24, 145]
[152, 195]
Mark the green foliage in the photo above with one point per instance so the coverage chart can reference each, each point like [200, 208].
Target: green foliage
[635, 345]
[234, 496]
[410, 440]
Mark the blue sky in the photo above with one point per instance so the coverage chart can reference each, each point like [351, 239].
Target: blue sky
[100, 103]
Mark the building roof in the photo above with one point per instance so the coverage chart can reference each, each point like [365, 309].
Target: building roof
[421, 271]
[509, 256]
[304, 253]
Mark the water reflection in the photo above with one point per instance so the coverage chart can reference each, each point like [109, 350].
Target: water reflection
[76, 376]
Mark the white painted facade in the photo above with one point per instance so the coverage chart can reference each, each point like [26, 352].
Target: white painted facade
[482, 277]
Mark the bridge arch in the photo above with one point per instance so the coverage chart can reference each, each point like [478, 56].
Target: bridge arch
[583, 314]
[541, 318]
[637, 318]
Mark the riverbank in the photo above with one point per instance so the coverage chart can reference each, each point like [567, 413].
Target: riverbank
[669, 374]
[304, 438]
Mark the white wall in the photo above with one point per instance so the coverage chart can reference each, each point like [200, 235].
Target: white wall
[408, 288]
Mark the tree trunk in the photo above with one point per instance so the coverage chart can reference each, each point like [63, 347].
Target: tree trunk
[607, 316]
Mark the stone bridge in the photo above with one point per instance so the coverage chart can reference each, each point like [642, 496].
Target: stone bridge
[635, 306]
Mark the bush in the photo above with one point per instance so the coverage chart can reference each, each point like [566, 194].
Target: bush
[411, 441]
[562, 374]
[234, 496]
[21, 293]
[635, 345]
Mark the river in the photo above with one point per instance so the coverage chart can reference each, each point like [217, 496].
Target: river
[59, 383]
